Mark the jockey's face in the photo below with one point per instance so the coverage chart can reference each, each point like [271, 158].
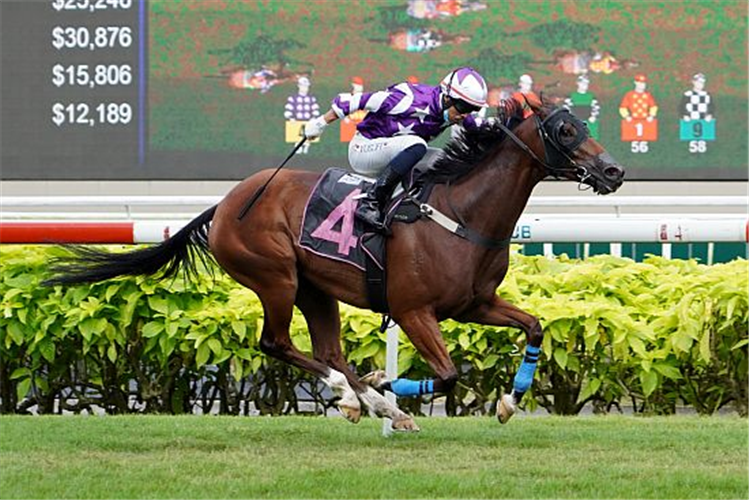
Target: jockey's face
[459, 110]
[455, 116]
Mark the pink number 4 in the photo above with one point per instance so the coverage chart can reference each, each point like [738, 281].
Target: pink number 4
[345, 237]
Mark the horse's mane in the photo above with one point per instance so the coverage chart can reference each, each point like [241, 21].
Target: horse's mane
[471, 146]
[465, 151]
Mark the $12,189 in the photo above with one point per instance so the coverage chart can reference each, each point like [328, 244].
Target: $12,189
[84, 114]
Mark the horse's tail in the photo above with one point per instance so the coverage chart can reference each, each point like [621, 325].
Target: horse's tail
[181, 251]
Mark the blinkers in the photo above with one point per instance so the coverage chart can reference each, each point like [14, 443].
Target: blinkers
[552, 130]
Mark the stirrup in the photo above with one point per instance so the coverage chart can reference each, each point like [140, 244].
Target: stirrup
[378, 227]
[370, 216]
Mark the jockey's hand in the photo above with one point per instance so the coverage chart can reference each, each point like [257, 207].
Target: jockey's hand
[507, 108]
[315, 127]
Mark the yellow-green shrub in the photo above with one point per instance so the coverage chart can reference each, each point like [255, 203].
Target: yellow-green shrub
[651, 334]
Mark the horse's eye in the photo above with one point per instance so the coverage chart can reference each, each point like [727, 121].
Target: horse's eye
[568, 133]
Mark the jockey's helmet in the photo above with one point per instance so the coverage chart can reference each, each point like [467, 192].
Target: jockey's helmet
[466, 88]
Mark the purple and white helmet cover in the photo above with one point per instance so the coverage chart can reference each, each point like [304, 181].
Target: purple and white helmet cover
[467, 85]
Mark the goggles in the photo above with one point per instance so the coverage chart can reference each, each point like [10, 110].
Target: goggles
[464, 107]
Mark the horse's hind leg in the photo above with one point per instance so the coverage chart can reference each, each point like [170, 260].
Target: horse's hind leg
[278, 308]
[324, 323]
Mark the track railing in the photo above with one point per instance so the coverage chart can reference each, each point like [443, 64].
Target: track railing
[615, 204]
[529, 229]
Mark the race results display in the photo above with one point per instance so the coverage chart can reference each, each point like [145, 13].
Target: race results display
[218, 90]
[73, 88]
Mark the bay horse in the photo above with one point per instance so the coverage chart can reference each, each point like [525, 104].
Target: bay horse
[483, 178]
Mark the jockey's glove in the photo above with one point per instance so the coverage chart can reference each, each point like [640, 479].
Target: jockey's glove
[315, 127]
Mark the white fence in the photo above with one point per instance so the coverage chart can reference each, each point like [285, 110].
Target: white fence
[126, 204]
[151, 221]
[529, 229]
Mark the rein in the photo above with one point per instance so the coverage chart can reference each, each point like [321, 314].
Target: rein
[460, 229]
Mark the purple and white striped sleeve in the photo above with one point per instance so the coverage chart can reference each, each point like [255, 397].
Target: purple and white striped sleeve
[345, 104]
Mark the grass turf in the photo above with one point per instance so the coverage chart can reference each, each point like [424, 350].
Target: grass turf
[304, 457]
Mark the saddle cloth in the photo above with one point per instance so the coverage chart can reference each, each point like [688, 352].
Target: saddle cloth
[329, 227]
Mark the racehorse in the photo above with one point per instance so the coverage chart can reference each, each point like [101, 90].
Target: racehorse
[483, 178]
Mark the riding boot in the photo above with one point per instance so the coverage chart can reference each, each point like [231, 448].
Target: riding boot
[376, 198]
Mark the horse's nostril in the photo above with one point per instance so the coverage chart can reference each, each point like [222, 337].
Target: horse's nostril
[614, 172]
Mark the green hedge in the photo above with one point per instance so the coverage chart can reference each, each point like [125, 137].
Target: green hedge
[653, 335]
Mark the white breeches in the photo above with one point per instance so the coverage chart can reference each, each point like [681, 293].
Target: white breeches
[370, 156]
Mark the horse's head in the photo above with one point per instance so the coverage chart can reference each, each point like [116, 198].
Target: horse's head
[569, 152]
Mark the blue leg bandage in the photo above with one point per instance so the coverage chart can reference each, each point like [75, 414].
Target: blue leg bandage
[524, 376]
[404, 387]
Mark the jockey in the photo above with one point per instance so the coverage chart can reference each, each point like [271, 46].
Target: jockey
[401, 120]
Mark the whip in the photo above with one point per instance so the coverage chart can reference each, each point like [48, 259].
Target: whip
[259, 192]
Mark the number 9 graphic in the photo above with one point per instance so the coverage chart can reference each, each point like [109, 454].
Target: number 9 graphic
[697, 129]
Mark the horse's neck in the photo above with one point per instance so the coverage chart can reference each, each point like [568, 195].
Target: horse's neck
[492, 198]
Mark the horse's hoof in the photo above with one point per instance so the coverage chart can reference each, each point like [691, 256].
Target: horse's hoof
[405, 425]
[352, 414]
[374, 379]
[505, 408]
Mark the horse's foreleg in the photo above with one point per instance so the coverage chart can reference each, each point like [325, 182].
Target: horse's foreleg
[499, 312]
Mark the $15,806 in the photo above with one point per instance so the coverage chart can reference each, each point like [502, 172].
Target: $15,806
[80, 114]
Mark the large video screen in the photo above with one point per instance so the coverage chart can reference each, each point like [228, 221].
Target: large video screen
[219, 89]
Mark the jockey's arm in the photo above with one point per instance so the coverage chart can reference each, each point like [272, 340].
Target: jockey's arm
[346, 104]
[315, 127]
[330, 116]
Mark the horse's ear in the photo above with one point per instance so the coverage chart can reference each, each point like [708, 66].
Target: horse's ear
[534, 104]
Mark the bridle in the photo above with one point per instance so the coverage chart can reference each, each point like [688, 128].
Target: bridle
[557, 159]
[556, 152]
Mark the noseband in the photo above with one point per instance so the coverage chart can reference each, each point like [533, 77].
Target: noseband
[556, 152]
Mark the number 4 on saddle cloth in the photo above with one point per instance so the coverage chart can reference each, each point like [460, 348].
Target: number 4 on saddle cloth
[330, 229]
